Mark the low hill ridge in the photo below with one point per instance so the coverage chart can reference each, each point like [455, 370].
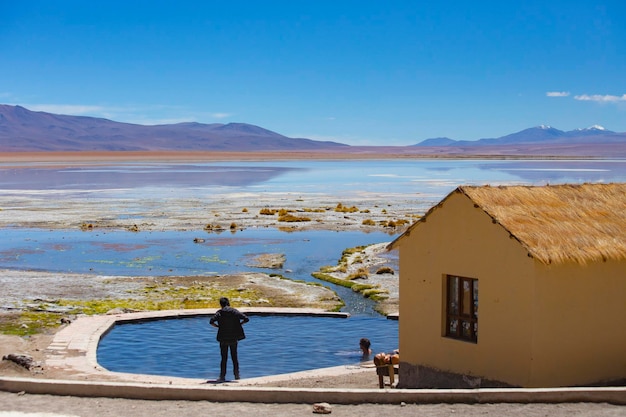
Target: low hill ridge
[25, 130]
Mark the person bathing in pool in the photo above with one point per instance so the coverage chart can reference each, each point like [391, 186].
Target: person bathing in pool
[364, 345]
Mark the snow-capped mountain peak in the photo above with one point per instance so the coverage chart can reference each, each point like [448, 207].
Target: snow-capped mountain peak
[594, 127]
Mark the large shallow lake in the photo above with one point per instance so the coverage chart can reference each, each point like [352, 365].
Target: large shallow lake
[432, 177]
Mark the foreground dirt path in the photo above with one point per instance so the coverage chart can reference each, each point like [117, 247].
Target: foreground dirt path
[12, 404]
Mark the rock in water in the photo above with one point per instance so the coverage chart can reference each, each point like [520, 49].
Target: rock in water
[268, 260]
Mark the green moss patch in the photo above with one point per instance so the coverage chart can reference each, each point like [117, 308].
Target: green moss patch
[332, 279]
[290, 218]
[338, 275]
[166, 293]
[27, 323]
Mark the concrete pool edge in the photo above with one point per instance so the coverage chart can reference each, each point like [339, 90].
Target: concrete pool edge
[73, 349]
[610, 395]
[73, 352]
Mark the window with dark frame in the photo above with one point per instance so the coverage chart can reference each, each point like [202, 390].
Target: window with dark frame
[462, 308]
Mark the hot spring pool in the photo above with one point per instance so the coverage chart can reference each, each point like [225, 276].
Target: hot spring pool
[186, 347]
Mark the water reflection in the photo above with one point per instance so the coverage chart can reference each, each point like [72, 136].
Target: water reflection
[335, 177]
[133, 176]
[545, 172]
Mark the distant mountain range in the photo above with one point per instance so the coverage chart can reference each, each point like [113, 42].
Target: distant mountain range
[537, 135]
[23, 130]
[29, 131]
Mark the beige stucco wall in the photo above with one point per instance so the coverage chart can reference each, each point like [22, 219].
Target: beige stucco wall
[580, 335]
[538, 325]
[460, 239]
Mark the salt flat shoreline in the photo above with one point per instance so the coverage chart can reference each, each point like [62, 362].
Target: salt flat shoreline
[357, 153]
[194, 156]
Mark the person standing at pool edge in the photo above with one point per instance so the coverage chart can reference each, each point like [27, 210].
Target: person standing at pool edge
[229, 322]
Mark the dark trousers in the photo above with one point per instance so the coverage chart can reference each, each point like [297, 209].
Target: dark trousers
[224, 346]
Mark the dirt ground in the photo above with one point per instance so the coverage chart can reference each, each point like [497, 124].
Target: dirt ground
[27, 405]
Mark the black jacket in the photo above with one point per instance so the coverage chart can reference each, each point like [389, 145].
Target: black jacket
[229, 321]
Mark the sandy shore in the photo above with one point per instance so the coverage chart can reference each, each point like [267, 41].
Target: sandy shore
[103, 156]
[353, 153]
[87, 157]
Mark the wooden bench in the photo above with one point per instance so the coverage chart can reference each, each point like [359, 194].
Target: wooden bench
[389, 370]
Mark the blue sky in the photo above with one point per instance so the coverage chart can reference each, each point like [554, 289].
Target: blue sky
[358, 72]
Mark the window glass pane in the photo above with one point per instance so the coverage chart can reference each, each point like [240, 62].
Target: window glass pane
[465, 329]
[453, 291]
[466, 297]
[475, 285]
[453, 327]
[462, 308]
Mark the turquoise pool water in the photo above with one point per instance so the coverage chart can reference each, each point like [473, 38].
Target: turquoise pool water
[186, 347]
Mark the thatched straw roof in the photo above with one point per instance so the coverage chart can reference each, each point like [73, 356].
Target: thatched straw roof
[559, 223]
